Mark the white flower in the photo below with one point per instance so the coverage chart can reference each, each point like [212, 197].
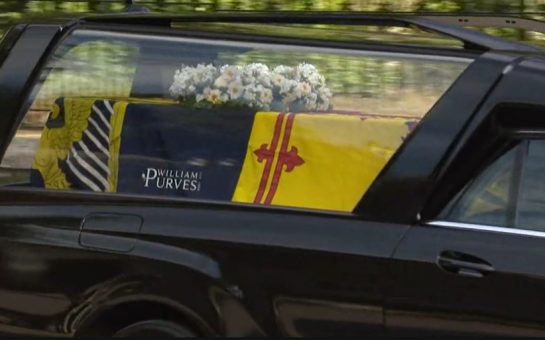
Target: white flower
[306, 69]
[235, 89]
[288, 99]
[265, 80]
[220, 82]
[302, 89]
[175, 90]
[310, 106]
[266, 96]
[285, 71]
[316, 79]
[277, 79]
[324, 93]
[305, 88]
[297, 91]
[202, 96]
[230, 73]
[257, 68]
[310, 101]
[249, 94]
[254, 85]
[312, 97]
[204, 73]
[287, 86]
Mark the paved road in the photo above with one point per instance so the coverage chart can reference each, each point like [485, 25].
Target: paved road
[22, 149]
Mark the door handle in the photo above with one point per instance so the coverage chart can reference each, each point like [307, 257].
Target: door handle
[463, 264]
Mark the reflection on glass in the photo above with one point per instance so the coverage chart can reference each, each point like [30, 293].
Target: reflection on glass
[105, 118]
[487, 199]
[410, 35]
[531, 206]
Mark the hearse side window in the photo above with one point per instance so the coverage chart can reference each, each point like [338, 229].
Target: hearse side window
[531, 205]
[488, 198]
[509, 193]
[219, 120]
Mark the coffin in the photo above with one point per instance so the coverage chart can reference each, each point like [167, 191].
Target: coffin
[159, 147]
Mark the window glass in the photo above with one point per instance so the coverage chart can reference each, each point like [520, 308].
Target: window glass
[509, 193]
[515, 34]
[531, 205]
[488, 199]
[99, 68]
[406, 35]
[220, 120]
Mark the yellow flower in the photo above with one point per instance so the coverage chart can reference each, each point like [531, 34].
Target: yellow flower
[214, 96]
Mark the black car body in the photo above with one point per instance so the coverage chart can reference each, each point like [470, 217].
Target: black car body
[446, 240]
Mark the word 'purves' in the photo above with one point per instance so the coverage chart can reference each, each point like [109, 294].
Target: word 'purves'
[172, 179]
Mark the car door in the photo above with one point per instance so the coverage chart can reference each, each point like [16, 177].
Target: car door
[472, 271]
[298, 261]
[475, 265]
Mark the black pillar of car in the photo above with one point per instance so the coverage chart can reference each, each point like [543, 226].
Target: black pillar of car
[512, 112]
[17, 75]
[402, 188]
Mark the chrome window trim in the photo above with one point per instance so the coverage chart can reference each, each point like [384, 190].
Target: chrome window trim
[483, 227]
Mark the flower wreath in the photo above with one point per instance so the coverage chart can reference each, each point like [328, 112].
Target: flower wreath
[283, 88]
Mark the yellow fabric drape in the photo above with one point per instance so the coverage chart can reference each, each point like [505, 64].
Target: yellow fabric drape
[319, 161]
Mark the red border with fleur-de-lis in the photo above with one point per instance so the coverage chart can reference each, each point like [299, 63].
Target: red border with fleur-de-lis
[285, 160]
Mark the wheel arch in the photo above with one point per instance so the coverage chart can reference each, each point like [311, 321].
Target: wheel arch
[120, 313]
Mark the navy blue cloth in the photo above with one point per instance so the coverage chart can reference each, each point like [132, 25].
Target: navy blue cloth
[176, 150]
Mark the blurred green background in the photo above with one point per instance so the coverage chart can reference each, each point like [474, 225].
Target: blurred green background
[23, 9]
[366, 77]
[29, 7]
[358, 78]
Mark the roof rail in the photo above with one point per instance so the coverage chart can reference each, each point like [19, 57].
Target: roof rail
[472, 40]
[479, 20]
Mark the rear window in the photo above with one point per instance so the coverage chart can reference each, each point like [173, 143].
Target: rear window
[220, 120]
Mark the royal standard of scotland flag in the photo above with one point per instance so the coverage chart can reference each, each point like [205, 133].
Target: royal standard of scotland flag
[316, 160]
